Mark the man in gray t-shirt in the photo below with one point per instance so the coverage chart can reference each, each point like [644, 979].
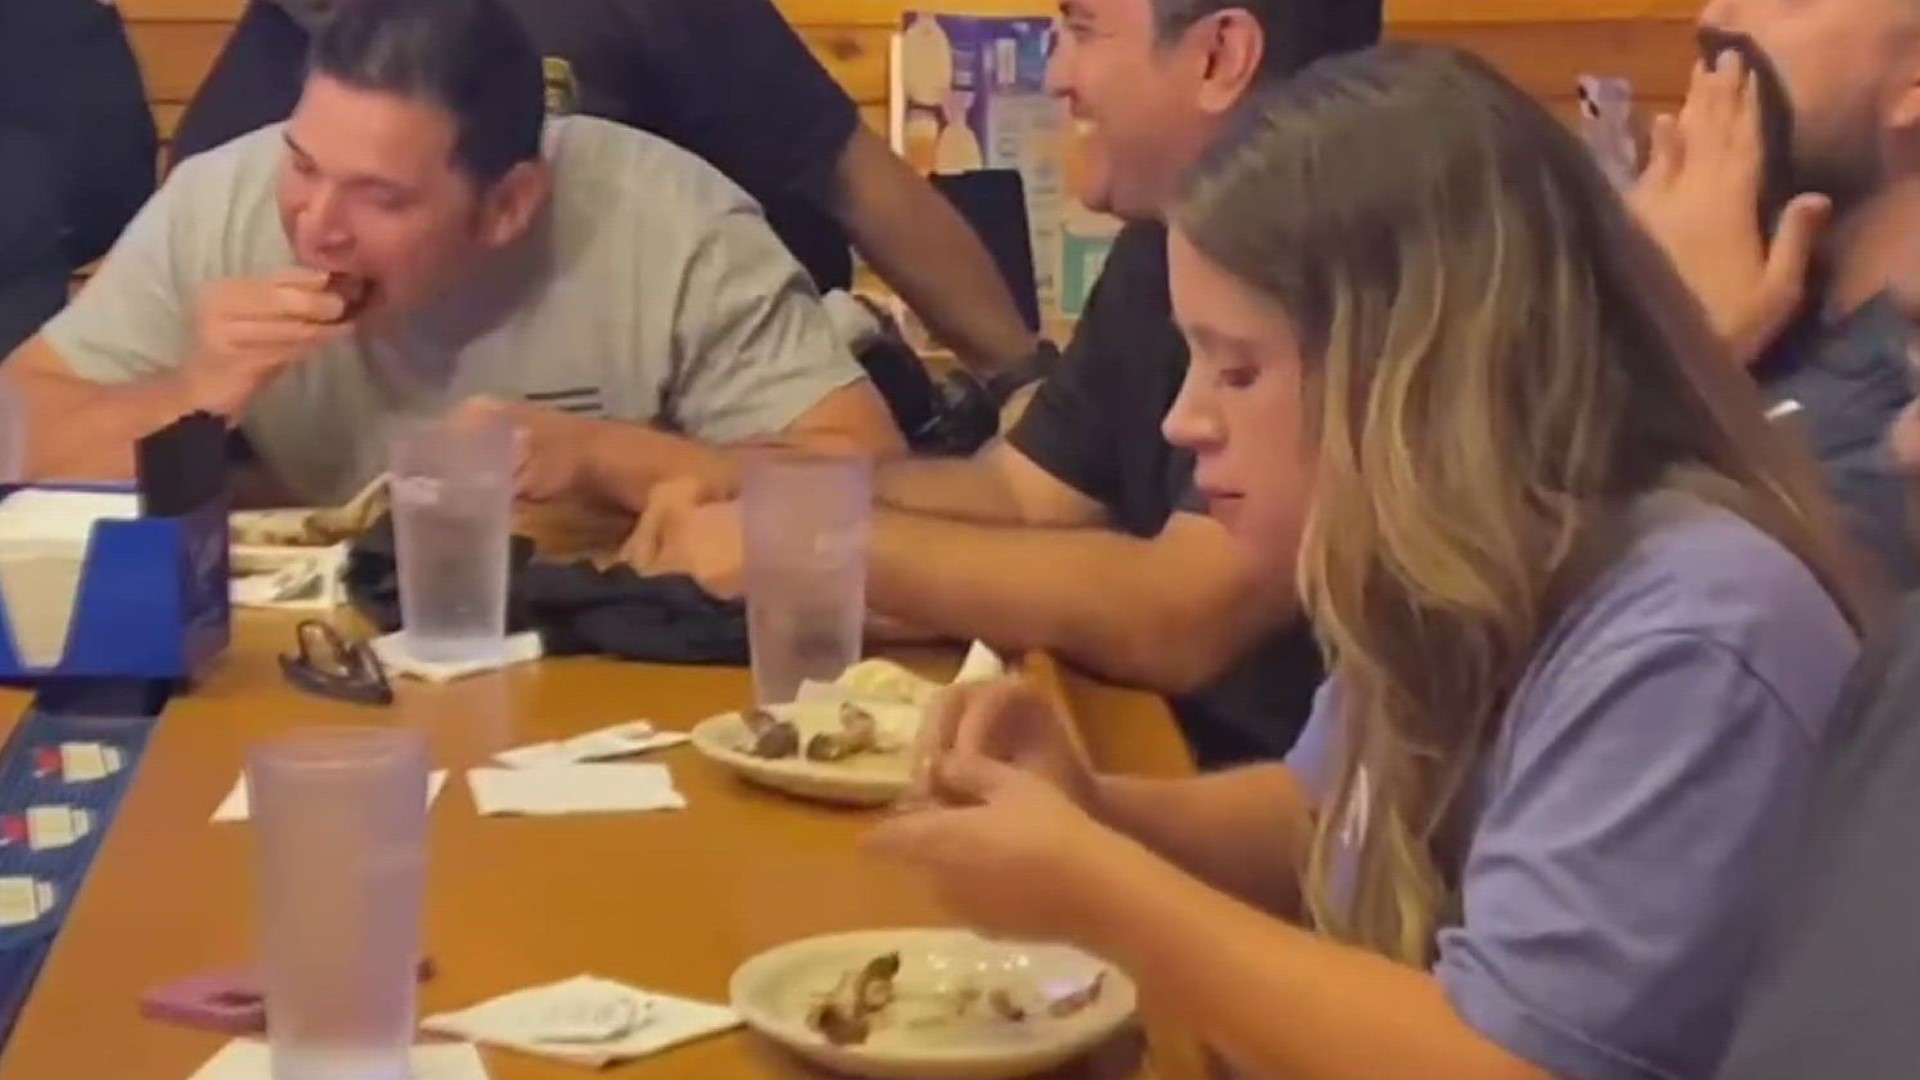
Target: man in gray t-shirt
[619, 298]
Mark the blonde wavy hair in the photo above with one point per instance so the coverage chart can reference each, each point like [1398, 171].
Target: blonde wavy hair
[1499, 366]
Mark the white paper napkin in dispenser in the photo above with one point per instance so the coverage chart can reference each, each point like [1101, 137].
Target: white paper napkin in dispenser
[43, 552]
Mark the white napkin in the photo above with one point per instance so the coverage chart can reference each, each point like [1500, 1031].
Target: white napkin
[249, 1059]
[884, 679]
[620, 740]
[290, 579]
[391, 649]
[981, 665]
[234, 806]
[585, 1021]
[574, 789]
[43, 549]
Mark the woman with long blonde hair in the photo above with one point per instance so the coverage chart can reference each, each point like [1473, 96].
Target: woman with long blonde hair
[1584, 610]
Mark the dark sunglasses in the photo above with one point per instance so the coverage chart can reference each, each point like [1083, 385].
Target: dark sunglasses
[330, 666]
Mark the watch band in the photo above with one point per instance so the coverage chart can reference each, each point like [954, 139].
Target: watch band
[1035, 366]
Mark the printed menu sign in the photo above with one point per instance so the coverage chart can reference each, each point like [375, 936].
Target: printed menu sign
[969, 92]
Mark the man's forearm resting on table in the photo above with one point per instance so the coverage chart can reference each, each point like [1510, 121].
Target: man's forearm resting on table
[1245, 831]
[1125, 608]
[969, 489]
[82, 430]
[626, 459]
[998, 485]
[921, 247]
[1277, 1000]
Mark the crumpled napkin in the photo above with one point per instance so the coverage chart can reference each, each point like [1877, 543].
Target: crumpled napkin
[620, 740]
[585, 1020]
[391, 649]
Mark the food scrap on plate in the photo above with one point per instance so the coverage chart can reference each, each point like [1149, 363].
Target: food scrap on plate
[869, 997]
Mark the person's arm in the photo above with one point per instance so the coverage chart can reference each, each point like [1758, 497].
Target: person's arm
[1276, 999]
[626, 460]
[104, 371]
[750, 97]
[98, 424]
[928, 254]
[1169, 613]
[1245, 831]
[998, 485]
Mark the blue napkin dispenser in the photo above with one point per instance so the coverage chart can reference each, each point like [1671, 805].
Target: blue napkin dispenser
[152, 603]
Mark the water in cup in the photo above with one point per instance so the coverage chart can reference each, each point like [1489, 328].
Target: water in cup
[452, 540]
[806, 522]
[811, 633]
[452, 490]
[339, 823]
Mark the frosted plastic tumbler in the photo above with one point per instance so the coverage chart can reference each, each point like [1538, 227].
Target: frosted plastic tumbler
[339, 819]
[452, 488]
[806, 523]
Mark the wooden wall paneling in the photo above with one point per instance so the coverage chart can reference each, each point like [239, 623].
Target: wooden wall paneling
[1533, 11]
[175, 56]
[856, 56]
[1546, 58]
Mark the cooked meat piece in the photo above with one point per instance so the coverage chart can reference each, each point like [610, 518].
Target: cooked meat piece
[1068, 1004]
[778, 740]
[353, 290]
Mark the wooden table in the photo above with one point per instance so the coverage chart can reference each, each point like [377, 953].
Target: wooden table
[510, 902]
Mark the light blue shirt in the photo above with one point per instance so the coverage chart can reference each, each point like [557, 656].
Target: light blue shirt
[1638, 811]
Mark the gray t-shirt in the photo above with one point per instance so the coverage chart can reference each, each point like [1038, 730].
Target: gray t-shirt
[651, 291]
[1835, 995]
[1639, 808]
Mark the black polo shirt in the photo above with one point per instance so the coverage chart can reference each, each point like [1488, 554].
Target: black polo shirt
[729, 80]
[1095, 426]
[1832, 994]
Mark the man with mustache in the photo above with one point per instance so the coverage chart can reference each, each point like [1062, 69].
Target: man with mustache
[1077, 533]
[729, 81]
[1814, 309]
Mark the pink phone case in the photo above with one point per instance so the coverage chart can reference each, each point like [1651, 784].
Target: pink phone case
[229, 1002]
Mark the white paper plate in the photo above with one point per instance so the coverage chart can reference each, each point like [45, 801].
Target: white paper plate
[863, 780]
[776, 990]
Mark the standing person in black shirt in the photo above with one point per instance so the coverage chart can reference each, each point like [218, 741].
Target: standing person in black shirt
[1071, 534]
[77, 150]
[730, 81]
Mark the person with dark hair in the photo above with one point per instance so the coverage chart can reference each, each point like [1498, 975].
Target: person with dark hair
[420, 234]
[1078, 532]
[1586, 614]
[1833, 994]
[1787, 191]
[77, 150]
[730, 81]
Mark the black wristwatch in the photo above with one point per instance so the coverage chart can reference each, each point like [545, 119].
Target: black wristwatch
[1032, 368]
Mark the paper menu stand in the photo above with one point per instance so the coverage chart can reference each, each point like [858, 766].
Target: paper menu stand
[969, 92]
[120, 581]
